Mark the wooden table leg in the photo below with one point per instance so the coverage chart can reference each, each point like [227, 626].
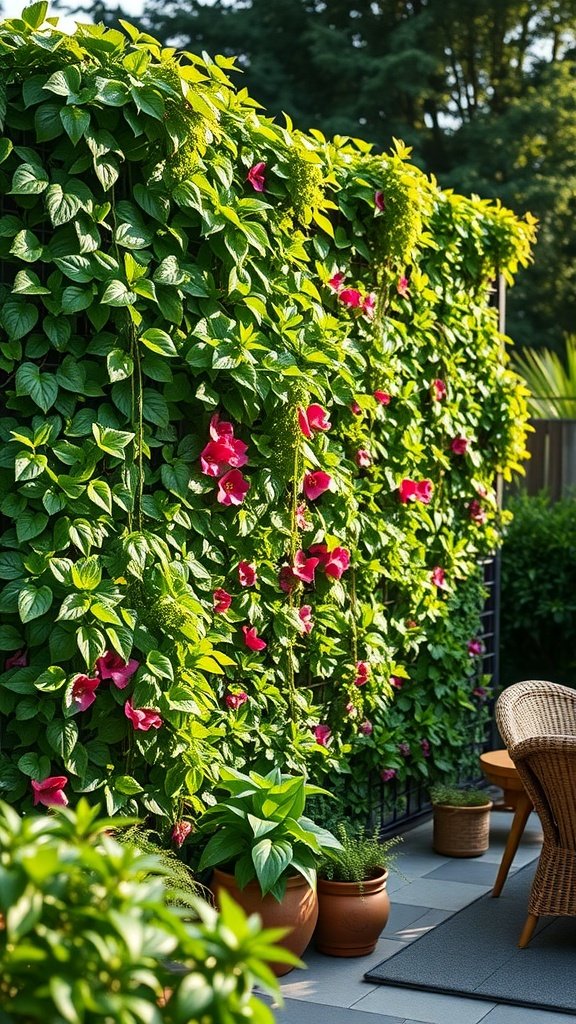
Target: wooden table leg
[523, 808]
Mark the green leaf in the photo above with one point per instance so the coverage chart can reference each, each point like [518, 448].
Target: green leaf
[81, 535]
[120, 365]
[91, 644]
[153, 202]
[118, 294]
[6, 147]
[62, 736]
[112, 441]
[27, 247]
[27, 282]
[41, 387]
[52, 679]
[99, 492]
[74, 299]
[87, 573]
[10, 639]
[158, 341]
[160, 665]
[107, 170]
[18, 318]
[62, 206]
[111, 92]
[30, 524]
[28, 466]
[29, 179]
[34, 602]
[148, 100]
[127, 785]
[65, 82]
[270, 860]
[58, 330]
[47, 122]
[75, 121]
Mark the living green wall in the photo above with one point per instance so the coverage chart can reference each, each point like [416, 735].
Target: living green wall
[255, 406]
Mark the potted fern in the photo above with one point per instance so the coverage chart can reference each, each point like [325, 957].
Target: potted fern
[461, 821]
[353, 903]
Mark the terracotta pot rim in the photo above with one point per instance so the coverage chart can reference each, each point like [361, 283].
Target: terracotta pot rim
[364, 888]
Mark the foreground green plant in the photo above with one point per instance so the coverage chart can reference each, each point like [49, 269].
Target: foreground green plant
[87, 935]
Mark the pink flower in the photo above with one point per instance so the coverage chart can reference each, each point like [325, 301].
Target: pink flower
[236, 700]
[425, 747]
[17, 660]
[438, 576]
[460, 445]
[402, 287]
[50, 791]
[438, 389]
[247, 575]
[252, 640]
[319, 551]
[350, 297]
[351, 710]
[363, 459]
[387, 774]
[220, 428]
[481, 692]
[362, 673]
[256, 177]
[217, 455]
[337, 281]
[113, 667]
[383, 397]
[322, 734]
[407, 491]
[180, 831]
[475, 648]
[379, 201]
[476, 512]
[286, 579]
[404, 749]
[301, 522]
[305, 616]
[337, 561]
[232, 488]
[222, 600]
[313, 418]
[315, 484]
[83, 691]
[366, 727]
[369, 306]
[397, 682]
[304, 568]
[142, 719]
[355, 408]
[424, 491]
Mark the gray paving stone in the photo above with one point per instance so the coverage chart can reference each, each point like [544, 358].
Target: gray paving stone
[296, 1011]
[428, 1007]
[463, 869]
[437, 894]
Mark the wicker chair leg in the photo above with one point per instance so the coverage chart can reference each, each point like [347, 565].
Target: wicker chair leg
[528, 930]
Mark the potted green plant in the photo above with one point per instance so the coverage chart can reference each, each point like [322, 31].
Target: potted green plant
[461, 821]
[87, 932]
[265, 852]
[353, 902]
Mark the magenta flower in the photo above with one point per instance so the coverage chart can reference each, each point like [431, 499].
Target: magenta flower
[217, 455]
[460, 445]
[232, 488]
[382, 397]
[438, 576]
[220, 428]
[425, 747]
[256, 177]
[322, 734]
[481, 692]
[319, 551]
[350, 297]
[404, 749]
[402, 287]
[369, 306]
[424, 491]
[252, 640]
[50, 791]
[301, 522]
[222, 600]
[304, 568]
[397, 682]
[17, 660]
[142, 719]
[476, 512]
[113, 667]
[475, 648]
[305, 616]
[363, 459]
[366, 727]
[387, 774]
[83, 691]
[407, 490]
[180, 831]
[438, 389]
[236, 700]
[337, 282]
[313, 418]
[315, 484]
[379, 201]
[355, 408]
[362, 673]
[247, 575]
[337, 561]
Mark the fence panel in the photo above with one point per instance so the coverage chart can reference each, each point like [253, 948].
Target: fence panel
[552, 466]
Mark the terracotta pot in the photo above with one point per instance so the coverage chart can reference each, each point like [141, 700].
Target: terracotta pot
[297, 911]
[351, 915]
[461, 831]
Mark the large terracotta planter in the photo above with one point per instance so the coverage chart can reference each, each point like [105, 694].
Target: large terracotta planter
[461, 831]
[351, 915]
[298, 910]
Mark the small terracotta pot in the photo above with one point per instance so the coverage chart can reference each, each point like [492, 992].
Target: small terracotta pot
[297, 911]
[351, 915]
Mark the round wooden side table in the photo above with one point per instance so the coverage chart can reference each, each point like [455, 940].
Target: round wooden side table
[499, 768]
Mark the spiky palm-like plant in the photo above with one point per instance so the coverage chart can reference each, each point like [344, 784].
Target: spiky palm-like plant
[551, 380]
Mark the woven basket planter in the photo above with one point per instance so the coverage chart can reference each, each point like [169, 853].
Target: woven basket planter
[461, 831]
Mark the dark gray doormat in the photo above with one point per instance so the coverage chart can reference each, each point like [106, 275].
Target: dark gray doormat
[475, 953]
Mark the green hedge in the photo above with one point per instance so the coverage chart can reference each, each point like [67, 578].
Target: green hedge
[255, 405]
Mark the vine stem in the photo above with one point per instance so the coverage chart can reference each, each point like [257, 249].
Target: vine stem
[138, 416]
[294, 542]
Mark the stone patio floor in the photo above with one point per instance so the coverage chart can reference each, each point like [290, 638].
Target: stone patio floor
[332, 989]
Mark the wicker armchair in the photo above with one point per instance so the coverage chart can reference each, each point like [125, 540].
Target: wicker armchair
[537, 721]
